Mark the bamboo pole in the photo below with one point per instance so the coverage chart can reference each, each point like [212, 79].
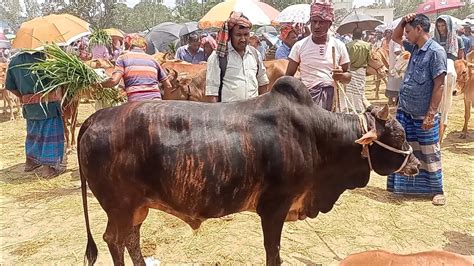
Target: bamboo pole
[335, 106]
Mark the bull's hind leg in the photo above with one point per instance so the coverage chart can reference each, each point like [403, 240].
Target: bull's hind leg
[133, 246]
[119, 227]
[133, 241]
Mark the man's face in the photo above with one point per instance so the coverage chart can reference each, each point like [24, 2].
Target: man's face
[254, 41]
[413, 34]
[239, 38]
[441, 26]
[467, 30]
[291, 39]
[194, 46]
[319, 26]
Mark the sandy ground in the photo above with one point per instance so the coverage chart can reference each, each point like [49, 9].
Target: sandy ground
[42, 221]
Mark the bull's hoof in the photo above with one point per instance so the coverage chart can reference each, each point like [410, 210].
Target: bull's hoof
[463, 135]
[12, 118]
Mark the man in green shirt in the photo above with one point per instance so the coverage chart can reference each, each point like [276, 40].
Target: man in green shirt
[359, 53]
[44, 145]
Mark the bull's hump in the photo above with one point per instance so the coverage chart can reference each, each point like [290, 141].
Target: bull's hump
[293, 89]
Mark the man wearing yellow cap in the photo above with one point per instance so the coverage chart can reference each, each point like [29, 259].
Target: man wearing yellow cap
[313, 55]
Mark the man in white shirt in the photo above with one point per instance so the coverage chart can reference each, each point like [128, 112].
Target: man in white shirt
[313, 55]
[244, 75]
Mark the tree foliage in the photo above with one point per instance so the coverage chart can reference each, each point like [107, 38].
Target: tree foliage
[10, 10]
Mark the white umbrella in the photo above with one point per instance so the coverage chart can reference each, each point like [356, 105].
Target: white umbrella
[294, 14]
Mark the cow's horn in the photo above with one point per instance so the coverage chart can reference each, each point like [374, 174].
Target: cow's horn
[383, 114]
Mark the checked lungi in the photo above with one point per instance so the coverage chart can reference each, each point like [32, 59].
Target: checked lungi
[426, 148]
[45, 141]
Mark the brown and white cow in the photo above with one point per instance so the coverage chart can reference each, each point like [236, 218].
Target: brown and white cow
[381, 257]
[465, 85]
[278, 155]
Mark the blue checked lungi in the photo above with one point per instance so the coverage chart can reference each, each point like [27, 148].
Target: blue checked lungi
[45, 141]
[426, 148]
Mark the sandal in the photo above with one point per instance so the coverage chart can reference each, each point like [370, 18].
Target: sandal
[439, 200]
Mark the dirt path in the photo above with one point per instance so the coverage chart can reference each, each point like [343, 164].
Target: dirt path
[42, 220]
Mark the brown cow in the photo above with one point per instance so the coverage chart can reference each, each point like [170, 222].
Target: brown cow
[70, 106]
[378, 66]
[465, 85]
[196, 91]
[275, 155]
[9, 99]
[275, 70]
[380, 258]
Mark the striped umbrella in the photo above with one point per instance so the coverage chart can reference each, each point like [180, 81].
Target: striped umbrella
[258, 13]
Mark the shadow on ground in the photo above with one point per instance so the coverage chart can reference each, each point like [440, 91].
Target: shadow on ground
[384, 196]
[460, 243]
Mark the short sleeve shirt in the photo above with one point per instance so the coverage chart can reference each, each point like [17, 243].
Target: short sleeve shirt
[426, 63]
[140, 71]
[315, 60]
[20, 78]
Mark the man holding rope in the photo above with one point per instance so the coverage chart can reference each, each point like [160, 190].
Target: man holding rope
[313, 55]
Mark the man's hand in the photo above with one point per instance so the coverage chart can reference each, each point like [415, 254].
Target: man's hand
[409, 17]
[428, 122]
[338, 74]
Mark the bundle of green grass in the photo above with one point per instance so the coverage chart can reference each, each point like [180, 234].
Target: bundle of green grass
[62, 70]
[100, 37]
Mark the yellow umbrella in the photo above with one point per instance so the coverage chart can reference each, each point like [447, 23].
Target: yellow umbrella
[62, 29]
[115, 32]
[258, 13]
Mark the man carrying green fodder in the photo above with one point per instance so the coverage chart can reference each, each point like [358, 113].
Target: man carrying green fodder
[44, 145]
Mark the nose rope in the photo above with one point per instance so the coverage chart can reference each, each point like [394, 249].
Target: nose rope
[366, 151]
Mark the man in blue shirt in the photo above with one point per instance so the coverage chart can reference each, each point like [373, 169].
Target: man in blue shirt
[191, 52]
[420, 95]
[289, 37]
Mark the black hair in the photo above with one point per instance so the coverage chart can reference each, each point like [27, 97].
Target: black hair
[193, 37]
[357, 33]
[422, 20]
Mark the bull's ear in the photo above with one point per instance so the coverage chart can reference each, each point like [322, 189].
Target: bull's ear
[383, 113]
[367, 138]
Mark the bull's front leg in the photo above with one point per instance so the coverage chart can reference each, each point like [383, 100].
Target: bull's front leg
[272, 211]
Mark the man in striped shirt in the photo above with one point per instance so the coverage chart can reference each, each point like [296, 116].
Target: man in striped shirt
[140, 72]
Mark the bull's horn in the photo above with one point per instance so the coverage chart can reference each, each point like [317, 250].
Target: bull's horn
[383, 114]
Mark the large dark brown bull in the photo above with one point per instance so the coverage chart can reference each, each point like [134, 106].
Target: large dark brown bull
[277, 154]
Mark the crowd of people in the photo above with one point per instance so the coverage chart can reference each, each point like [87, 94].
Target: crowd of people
[235, 72]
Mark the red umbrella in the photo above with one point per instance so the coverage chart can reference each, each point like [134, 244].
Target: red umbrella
[437, 6]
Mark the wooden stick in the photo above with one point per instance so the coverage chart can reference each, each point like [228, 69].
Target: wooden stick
[335, 106]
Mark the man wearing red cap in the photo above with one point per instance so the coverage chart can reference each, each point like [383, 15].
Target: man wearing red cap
[313, 55]
[288, 36]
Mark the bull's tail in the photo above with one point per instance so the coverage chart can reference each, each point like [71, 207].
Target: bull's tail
[91, 248]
